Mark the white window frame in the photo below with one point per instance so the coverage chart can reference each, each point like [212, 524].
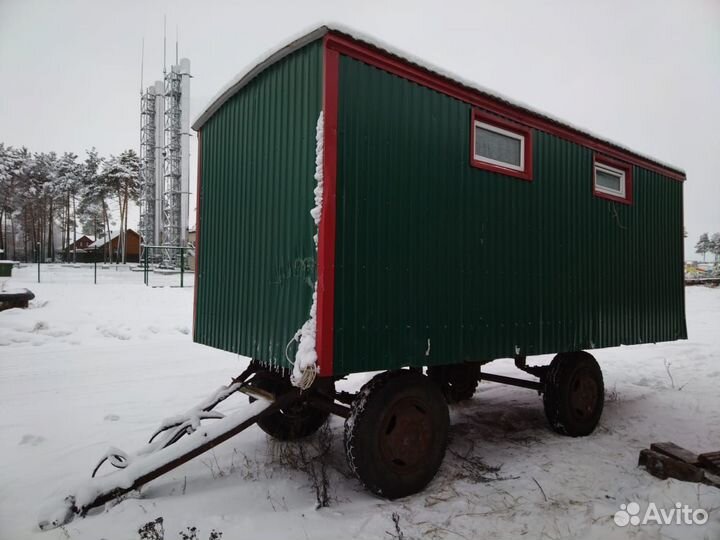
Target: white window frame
[512, 134]
[615, 172]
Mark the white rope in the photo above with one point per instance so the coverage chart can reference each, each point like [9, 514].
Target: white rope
[307, 377]
[304, 373]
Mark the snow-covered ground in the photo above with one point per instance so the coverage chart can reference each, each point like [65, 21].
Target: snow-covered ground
[90, 366]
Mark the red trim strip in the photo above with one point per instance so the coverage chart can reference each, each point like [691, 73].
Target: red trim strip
[326, 244]
[397, 66]
[526, 133]
[623, 166]
[197, 231]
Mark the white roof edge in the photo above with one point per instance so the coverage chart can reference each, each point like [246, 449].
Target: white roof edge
[301, 39]
[254, 69]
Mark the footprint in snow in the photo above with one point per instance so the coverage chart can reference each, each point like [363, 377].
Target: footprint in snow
[32, 440]
[40, 325]
[183, 329]
[113, 333]
[112, 417]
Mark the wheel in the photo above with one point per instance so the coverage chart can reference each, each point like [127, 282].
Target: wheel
[396, 434]
[574, 394]
[458, 381]
[295, 422]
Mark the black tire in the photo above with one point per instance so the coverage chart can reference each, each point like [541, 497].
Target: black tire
[457, 382]
[295, 422]
[396, 434]
[574, 394]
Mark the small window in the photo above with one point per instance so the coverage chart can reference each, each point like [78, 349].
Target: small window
[612, 180]
[501, 146]
[498, 146]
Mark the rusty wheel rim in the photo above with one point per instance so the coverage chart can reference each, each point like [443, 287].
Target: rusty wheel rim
[406, 435]
[583, 395]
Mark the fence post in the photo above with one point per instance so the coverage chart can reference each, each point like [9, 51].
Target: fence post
[182, 265]
[145, 270]
[38, 260]
[95, 259]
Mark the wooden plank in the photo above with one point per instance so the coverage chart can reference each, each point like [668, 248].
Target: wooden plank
[711, 480]
[710, 461]
[674, 451]
[662, 466]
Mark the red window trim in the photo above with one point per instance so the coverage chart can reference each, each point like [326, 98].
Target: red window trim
[402, 68]
[615, 164]
[523, 131]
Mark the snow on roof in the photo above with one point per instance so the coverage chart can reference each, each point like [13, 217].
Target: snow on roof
[254, 68]
[79, 239]
[101, 242]
[308, 36]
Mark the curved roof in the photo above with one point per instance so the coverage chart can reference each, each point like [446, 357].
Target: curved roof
[267, 60]
[247, 75]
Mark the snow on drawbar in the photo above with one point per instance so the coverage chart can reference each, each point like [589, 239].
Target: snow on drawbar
[177, 440]
[305, 364]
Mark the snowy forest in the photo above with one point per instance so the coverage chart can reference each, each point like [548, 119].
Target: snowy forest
[47, 200]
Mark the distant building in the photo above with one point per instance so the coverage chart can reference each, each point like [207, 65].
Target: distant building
[80, 245]
[77, 251]
[132, 251]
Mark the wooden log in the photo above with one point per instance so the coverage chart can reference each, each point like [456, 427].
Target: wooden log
[662, 466]
[710, 461]
[674, 451]
[711, 480]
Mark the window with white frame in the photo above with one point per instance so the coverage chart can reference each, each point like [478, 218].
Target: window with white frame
[501, 145]
[610, 180]
[497, 146]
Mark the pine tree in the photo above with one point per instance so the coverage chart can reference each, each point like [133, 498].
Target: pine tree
[96, 192]
[68, 185]
[6, 191]
[121, 175]
[44, 173]
[714, 246]
[703, 245]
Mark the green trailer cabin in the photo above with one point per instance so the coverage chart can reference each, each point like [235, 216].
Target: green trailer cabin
[360, 211]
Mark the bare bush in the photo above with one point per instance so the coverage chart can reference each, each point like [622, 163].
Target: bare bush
[155, 530]
[311, 457]
[152, 530]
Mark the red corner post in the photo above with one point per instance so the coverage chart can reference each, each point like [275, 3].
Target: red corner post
[326, 240]
[197, 232]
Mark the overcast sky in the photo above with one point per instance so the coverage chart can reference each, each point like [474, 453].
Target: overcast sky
[645, 73]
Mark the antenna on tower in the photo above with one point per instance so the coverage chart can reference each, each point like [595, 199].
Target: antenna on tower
[164, 44]
[177, 39]
[142, 65]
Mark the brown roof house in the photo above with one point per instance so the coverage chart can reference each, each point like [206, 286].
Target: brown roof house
[132, 251]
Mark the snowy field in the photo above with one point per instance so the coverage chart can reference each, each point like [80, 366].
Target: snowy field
[89, 366]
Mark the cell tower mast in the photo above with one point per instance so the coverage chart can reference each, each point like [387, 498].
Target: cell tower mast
[165, 157]
[177, 164]
[147, 157]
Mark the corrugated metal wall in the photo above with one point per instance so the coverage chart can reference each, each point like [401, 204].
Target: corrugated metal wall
[439, 262]
[257, 257]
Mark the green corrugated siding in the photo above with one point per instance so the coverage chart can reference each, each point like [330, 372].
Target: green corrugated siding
[479, 265]
[256, 256]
